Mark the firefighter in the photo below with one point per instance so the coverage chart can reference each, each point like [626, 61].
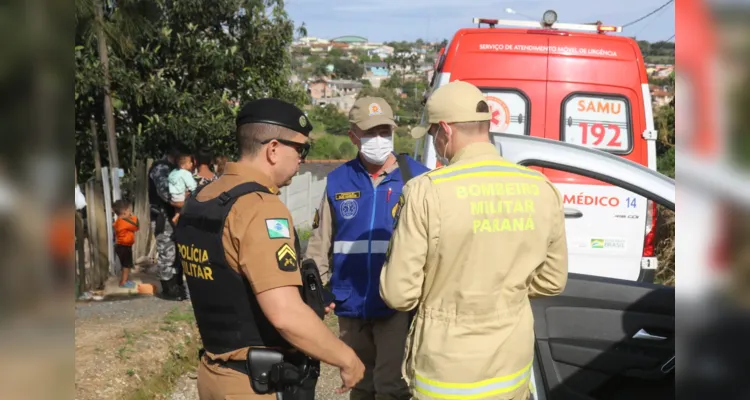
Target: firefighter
[473, 241]
[238, 248]
[354, 224]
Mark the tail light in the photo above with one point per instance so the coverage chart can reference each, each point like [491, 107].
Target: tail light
[648, 243]
[720, 251]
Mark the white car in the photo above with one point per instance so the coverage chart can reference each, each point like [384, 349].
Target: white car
[603, 337]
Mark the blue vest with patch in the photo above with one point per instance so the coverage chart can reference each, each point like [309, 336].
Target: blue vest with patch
[363, 224]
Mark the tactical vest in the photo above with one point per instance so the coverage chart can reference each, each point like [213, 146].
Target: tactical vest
[226, 309]
[153, 195]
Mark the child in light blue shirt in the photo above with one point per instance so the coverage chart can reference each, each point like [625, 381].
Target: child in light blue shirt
[181, 183]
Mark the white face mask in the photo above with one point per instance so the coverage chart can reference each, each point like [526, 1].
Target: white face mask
[376, 149]
[442, 158]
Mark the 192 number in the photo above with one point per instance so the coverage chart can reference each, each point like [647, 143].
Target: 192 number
[599, 132]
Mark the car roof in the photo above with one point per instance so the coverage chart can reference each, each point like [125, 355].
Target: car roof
[596, 164]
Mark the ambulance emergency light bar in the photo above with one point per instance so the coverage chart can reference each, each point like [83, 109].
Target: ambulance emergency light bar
[549, 21]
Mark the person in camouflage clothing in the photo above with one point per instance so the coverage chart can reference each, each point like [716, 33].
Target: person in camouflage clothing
[161, 223]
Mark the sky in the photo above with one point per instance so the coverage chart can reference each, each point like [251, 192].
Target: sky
[435, 20]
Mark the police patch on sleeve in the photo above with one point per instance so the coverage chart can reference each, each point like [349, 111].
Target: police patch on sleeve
[278, 228]
[396, 210]
[316, 219]
[286, 258]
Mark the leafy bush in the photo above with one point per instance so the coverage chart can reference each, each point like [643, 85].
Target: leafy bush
[330, 147]
[329, 119]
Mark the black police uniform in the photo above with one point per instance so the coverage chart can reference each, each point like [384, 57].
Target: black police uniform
[226, 309]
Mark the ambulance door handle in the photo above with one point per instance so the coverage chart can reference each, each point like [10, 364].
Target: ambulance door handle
[643, 335]
[572, 213]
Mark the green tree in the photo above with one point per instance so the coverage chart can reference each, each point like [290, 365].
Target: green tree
[186, 74]
[330, 119]
[665, 125]
[400, 46]
[347, 69]
[336, 53]
[329, 147]
[440, 45]
[383, 92]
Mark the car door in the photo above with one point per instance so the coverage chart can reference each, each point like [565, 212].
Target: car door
[602, 338]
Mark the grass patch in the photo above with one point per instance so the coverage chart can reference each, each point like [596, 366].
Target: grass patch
[122, 352]
[304, 234]
[175, 315]
[182, 359]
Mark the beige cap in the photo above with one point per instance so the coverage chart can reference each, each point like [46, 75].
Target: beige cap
[369, 112]
[454, 102]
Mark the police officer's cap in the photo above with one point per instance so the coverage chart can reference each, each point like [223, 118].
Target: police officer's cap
[276, 112]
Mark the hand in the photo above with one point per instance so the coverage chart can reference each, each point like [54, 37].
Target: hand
[330, 308]
[351, 374]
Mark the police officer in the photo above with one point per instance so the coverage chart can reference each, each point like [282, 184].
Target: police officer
[238, 247]
[162, 211]
[473, 240]
[354, 223]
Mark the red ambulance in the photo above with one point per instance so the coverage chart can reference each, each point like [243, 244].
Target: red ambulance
[575, 83]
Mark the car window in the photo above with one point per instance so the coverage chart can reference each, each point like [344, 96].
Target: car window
[510, 109]
[612, 231]
[600, 121]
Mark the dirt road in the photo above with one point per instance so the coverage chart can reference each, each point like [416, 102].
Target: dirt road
[122, 345]
[144, 348]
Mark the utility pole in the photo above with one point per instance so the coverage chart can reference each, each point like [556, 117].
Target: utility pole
[109, 116]
[95, 147]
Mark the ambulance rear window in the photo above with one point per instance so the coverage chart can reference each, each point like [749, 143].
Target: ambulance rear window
[510, 111]
[600, 121]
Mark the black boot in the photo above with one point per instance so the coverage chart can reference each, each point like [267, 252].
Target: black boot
[169, 290]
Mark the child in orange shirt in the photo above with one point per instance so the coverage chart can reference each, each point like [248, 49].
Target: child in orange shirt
[125, 227]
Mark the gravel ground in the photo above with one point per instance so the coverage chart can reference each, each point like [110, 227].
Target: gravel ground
[131, 309]
[187, 389]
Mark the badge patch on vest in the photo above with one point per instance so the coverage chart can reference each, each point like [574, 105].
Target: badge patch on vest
[316, 219]
[348, 209]
[347, 195]
[278, 228]
[286, 258]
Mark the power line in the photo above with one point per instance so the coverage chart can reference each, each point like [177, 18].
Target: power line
[648, 23]
[649, 14]
[670, 38]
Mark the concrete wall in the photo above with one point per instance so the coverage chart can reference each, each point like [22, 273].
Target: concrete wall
[302, 197]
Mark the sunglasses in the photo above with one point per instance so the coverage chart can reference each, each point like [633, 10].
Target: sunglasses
[302, 148]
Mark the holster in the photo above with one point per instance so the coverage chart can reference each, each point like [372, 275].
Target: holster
[260, 363]
[160, 217]
[295, 376]
[313, 291]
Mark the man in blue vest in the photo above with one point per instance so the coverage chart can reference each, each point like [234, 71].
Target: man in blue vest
[353, 227]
